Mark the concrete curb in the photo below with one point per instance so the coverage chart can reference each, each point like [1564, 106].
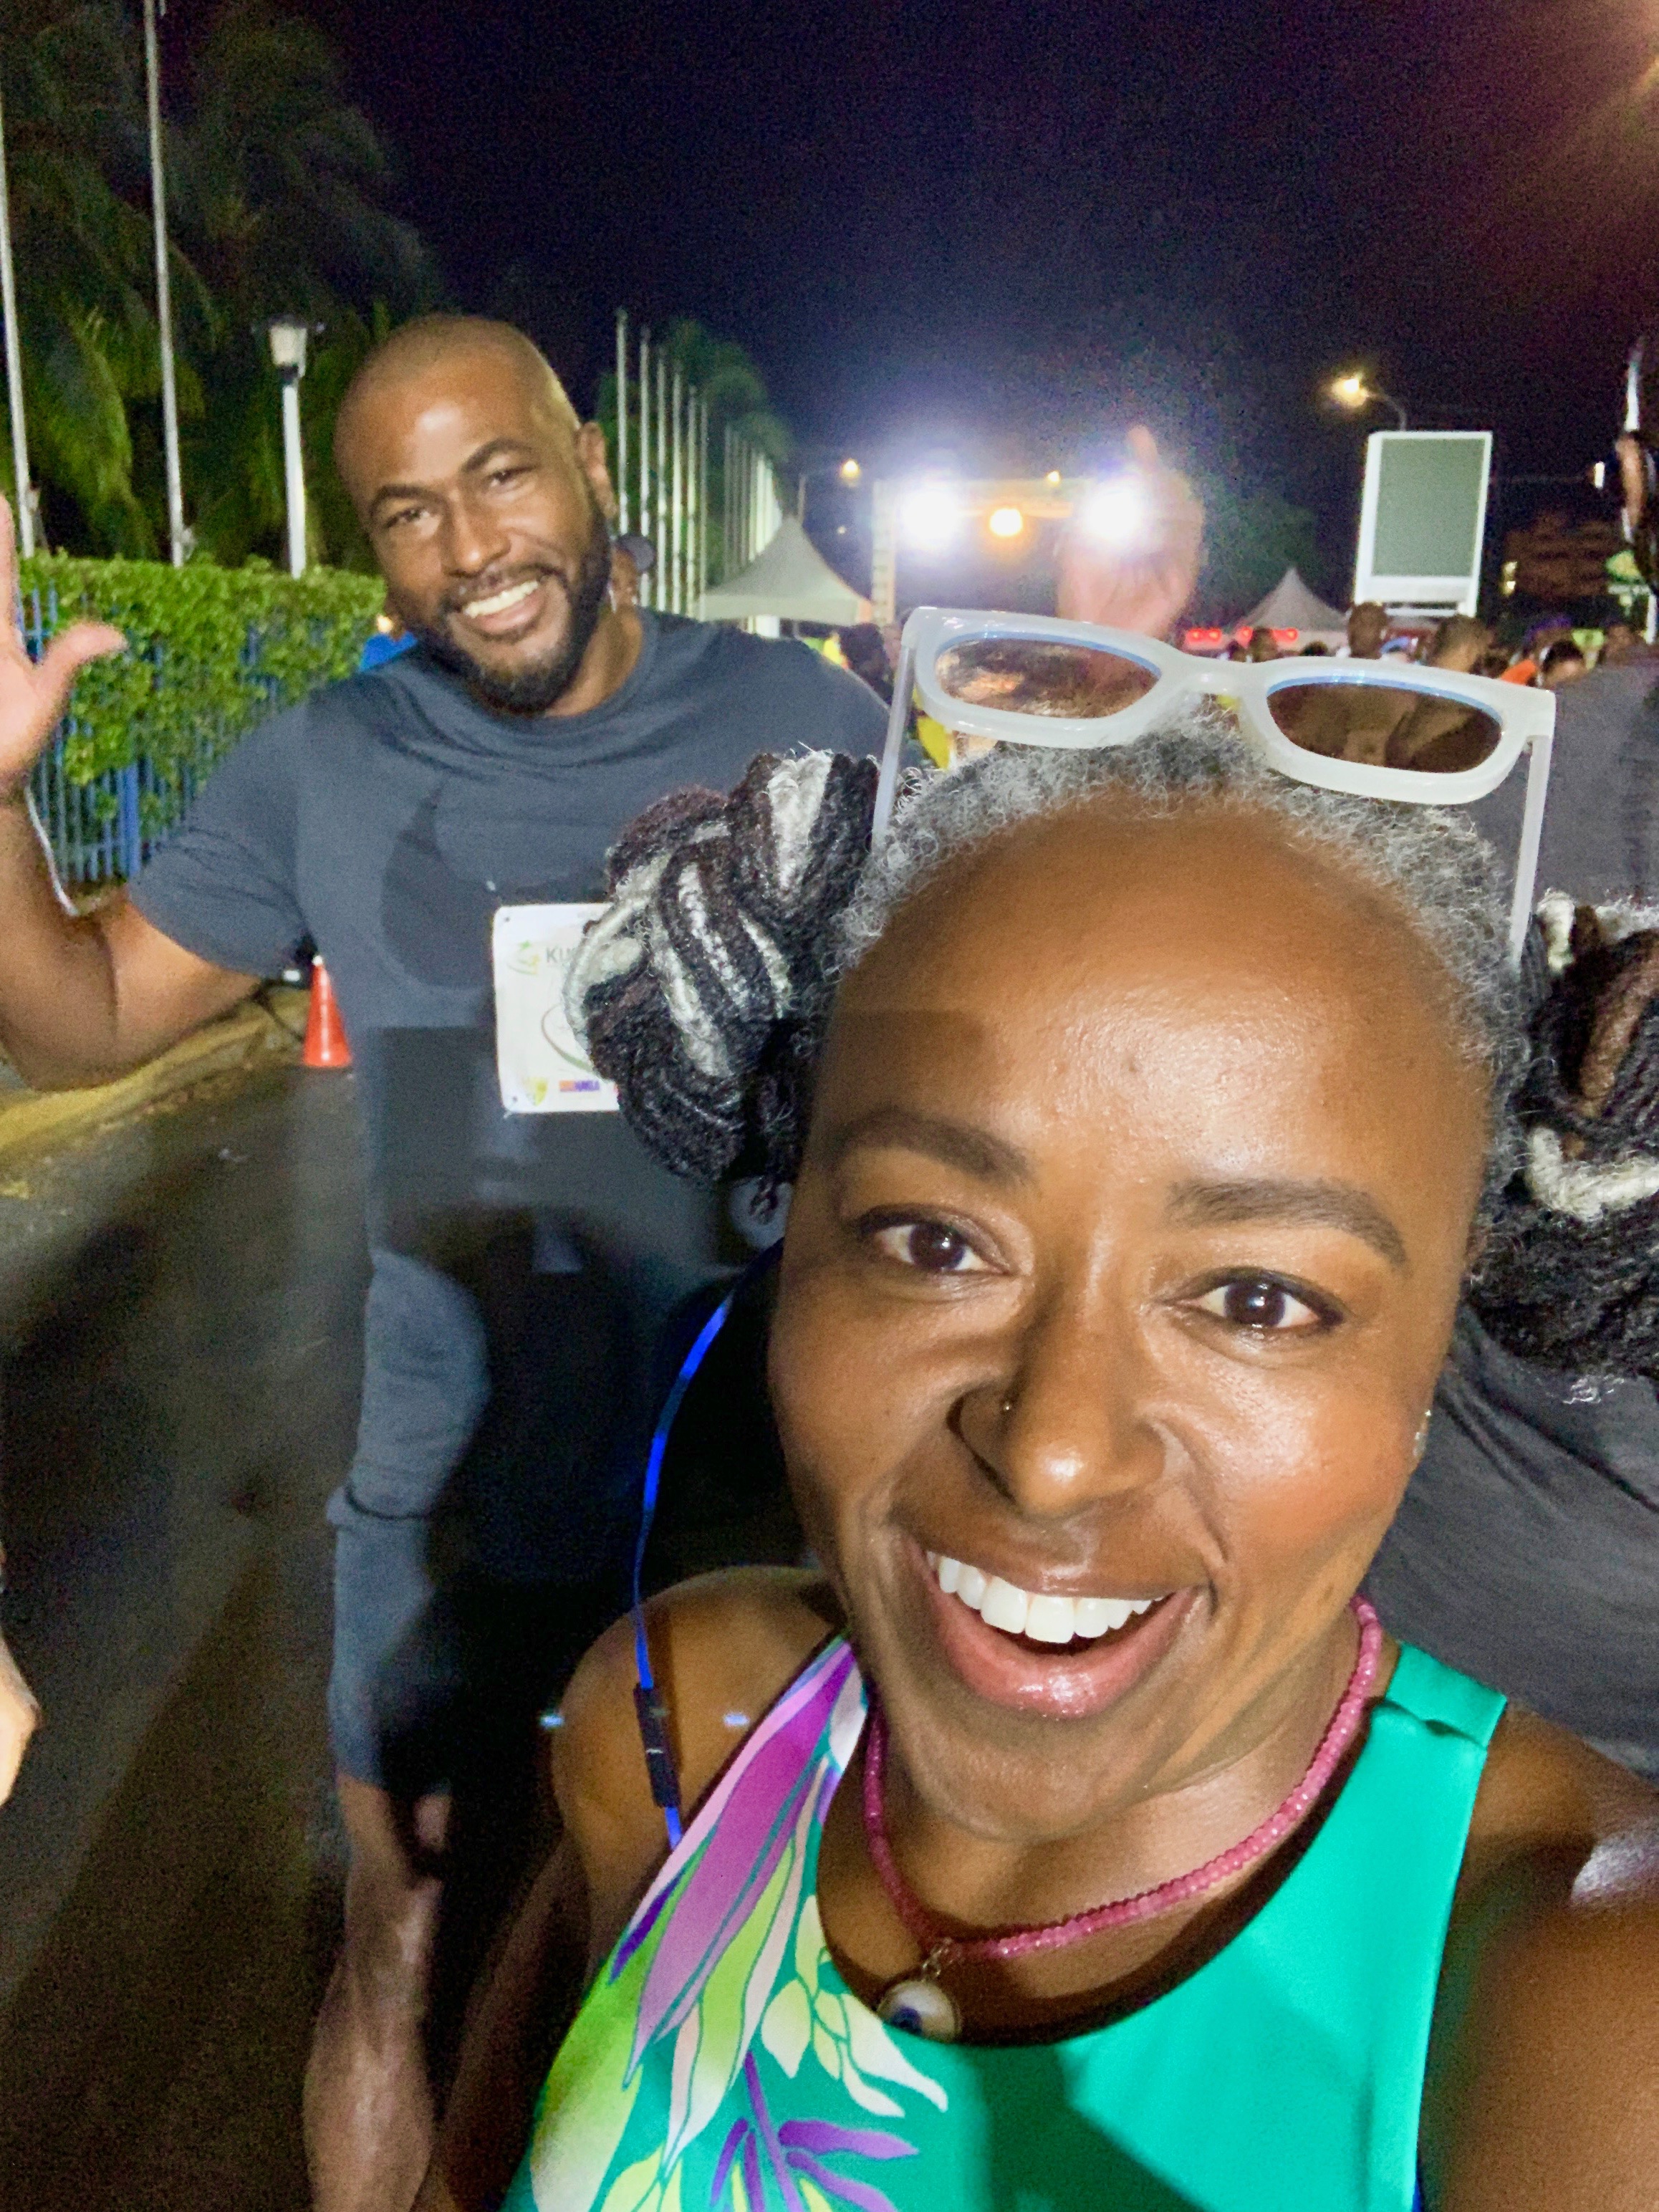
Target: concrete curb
[33, 1122]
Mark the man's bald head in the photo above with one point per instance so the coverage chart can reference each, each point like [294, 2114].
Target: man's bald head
[485, 499]
[433, 348]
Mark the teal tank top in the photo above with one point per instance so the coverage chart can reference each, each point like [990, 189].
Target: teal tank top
[720, 2063]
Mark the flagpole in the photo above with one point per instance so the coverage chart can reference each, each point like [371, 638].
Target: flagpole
[676, 494]
[649, 587]
[659, 505]
[20, 444]
[163, 291]
[620, 457]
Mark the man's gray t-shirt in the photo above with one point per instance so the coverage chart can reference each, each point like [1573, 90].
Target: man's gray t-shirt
[1527, 1549]
[386, 818]
[1600, 838]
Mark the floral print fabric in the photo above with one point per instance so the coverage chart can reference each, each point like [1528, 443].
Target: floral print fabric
[719, 2063]
[719, 1993]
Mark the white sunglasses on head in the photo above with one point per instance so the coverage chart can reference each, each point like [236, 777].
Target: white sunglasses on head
[1438, 738]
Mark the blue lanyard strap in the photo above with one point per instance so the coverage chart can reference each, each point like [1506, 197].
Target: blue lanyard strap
[648, 1706]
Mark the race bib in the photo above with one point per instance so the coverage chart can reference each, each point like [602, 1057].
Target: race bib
[538, 1057]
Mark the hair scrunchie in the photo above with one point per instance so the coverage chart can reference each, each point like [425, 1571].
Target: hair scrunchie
[702, 991]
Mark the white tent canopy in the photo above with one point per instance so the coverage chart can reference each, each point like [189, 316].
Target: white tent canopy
[1292, 605]
[789, 577]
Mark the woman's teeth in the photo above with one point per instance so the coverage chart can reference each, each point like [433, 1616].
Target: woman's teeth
[1025, 1613]
[499, 602]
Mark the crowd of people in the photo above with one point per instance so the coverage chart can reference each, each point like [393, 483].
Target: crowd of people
[1548, 653]
[1204, 1757]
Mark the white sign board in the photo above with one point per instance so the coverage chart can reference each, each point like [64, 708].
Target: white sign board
[539, 1056]
[1423, 518]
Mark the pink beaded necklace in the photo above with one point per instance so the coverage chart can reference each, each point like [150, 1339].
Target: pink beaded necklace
[918, 2002]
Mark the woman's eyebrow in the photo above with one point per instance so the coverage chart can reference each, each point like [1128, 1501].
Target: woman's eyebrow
[976, 1152]
[1322, 1205]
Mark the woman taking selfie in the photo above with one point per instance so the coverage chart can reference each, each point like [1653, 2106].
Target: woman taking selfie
[1075, 1838]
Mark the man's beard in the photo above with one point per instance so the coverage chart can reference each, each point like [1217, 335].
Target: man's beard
[535, 688]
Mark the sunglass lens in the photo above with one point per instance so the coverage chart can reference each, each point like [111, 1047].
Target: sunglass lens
[1385, 726]
[1042, 676]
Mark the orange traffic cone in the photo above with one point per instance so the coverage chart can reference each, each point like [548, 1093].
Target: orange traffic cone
[326, 1043]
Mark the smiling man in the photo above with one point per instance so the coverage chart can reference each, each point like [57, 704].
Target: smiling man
[524, 1262]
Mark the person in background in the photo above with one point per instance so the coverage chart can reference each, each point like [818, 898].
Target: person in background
[1563, 662]
[865, 652]
[1314, 651]
[1600, 839]
[1527, 1547]
[1263, 646]
[525, 1263]
[1143, 584]
[1368, 629]
[632, 557]
[1146, 584]
[386, 642]
[1539, 637]
[1461, 643]
[1620, 644]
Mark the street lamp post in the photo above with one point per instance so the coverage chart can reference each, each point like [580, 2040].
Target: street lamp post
[287, 335]
[20, 449]
[163, 294]
[1354, 392]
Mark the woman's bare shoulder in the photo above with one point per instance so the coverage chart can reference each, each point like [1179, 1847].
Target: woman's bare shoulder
[1544, 1789]
[723, 1649]
[1549, 2072]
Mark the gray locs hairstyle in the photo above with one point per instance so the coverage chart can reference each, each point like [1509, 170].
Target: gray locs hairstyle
[705, 990]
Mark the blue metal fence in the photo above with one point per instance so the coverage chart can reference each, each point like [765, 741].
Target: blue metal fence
[102, 831]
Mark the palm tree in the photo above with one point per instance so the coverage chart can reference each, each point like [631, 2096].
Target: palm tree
[75, 140]
[279, 184]
[279, 177]
[276, 186]
[733, 388]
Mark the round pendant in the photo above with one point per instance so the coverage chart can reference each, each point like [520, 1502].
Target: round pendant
[920, 2008]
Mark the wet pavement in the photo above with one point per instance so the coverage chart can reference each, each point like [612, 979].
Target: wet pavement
[180, 1329]
[179, 1334]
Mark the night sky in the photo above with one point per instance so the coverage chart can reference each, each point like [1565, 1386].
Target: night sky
[1009, 230]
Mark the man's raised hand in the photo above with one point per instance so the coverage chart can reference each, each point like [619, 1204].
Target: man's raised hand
[1144, 582]
[34, 694]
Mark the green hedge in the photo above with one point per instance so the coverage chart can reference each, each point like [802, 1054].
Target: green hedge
[210, 652]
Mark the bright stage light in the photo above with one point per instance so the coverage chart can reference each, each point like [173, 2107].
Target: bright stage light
[850, 471]
[1114, 512]
[931, 516]
[1005, 522]
[1349, 391]
[1053, 476]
